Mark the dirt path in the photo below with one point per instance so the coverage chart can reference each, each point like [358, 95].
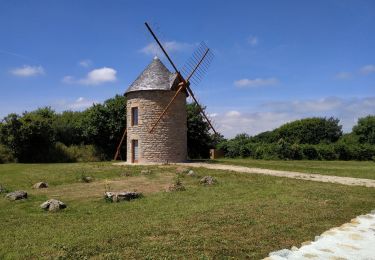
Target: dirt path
[287, 174]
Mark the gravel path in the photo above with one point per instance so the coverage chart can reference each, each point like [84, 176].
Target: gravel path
[353, 240]
[287, 174]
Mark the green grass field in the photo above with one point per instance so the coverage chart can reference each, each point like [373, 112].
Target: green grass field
[356, 169]
[243, 216]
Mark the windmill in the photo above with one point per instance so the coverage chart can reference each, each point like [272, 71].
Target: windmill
[192, 72]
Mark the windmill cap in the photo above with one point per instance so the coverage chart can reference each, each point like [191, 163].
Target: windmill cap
[156, 76]
[156, 57]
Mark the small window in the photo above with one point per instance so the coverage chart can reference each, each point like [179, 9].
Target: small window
[134, 115]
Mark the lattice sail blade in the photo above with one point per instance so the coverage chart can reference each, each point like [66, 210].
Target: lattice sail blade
[196, 67]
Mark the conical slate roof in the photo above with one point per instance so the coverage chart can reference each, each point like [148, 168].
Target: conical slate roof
[155, 77]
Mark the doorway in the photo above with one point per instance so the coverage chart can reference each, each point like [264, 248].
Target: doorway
[135, 151]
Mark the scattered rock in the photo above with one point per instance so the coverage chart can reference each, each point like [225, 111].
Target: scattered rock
[191, 173]
[17, 195]
[178, 186]
[87, 179]
[53, 205]
[40, 185]
[126, 174]
[122, 195]
[146, 172]
[2, 189]
[182, 170]
[208, 180]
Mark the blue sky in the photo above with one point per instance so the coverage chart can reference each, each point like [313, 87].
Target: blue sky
[275, 61]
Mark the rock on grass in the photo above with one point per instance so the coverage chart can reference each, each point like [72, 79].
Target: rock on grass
[40, 185]
[208, 180]
[53, 205]
[122, 195]
[146, 172]
[178, 186]
[17, 195]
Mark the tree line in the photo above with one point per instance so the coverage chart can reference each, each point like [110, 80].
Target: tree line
[310, 138]
[43, 135]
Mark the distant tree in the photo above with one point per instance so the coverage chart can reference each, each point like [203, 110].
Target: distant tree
[31, 136]
[310, 131]
[199, 139]
[103, 124]
[365, 129]
[68, 127]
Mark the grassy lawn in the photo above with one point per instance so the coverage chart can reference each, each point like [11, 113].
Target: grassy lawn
[242, 216]
[356, 169]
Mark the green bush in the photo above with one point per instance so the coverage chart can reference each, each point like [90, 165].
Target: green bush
[77, 153]
[310, 152]
[5, 155]
[326, 152]
[343, 151]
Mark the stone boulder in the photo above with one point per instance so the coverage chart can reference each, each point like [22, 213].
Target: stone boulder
[17, 195]
[146, 172]
[208, 180]
[40, 185]
[53, 205]
[87, 179]
[182, 170]
[191, 173]
[178, 186]
[122, 195]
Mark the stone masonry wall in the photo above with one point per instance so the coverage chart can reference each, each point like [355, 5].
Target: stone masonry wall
[168, 141]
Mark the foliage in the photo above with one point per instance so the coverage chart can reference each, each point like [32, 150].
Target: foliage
[5, 155]
[68, 127]
[29, 137]
[313, 130]
[310, 138]
[104, 124]
[365, 129]
[199, 139]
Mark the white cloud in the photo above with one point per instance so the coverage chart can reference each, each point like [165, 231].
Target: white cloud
[257, 82]
[271, 115]
[94, 77]
[85, 63]
[233, 113]
[253, 40]
[305, 106]
[80, 103]
[368, 69]
[170, 47]
[28, 71]
[68, 79]
[343, 75]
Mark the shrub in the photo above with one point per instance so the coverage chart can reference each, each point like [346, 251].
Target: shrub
[78, 153]
[365, 152]
[5, 155]
[326, 152]
[297, 152]
[343, 151]
[310, 152]
[365, 129]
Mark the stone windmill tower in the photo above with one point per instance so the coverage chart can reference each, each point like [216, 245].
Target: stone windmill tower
[146, 99]
[156, 128]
